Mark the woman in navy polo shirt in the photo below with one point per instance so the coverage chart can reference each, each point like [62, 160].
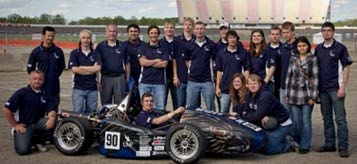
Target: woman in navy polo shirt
[262, 63]
[237, 91]
[301, 87]
[85, 66]
[153, 59]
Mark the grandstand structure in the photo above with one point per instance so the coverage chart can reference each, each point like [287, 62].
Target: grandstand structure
[256, 12]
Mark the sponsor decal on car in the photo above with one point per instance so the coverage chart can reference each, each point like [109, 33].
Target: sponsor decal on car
[159, 148]
[143, 153]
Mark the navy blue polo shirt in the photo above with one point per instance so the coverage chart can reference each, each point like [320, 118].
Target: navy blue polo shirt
[230, 63]
[144, 119]
[287, 51]
[78, 58]
[152, 75]
[259, 64]
[131, 50]
[331, 62]
[276, 53]
[180, 44]
[169, 46]
[31, 105]
[262, 104]
[113, 59]
[201, 66]
[51, 62]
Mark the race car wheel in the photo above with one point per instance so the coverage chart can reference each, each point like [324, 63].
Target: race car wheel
[73, 136]
[186, 143]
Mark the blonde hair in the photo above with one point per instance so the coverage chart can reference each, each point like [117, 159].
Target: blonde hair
[85, 31]
[189, 19]
[255, 78]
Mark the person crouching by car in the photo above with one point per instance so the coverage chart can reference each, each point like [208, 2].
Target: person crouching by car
[264, 110]
[150, 118]
[29, 123]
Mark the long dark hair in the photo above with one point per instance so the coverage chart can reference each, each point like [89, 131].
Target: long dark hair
[263, 44]
[303, 39]
[238, 95]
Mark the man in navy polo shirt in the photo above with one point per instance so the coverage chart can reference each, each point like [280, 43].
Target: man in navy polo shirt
[115, 67]
[334, 65]
[230, 60]
[199, 60]
[85, 65]
[25, 111]
[275, 49]
[150, 118]
[168, 43]
[153, 58]
[180, 71]
[131, 51]
[50, 60]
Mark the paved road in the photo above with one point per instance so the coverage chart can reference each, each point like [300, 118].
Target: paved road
[11, 81]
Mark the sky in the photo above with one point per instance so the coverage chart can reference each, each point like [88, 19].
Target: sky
[79, 9]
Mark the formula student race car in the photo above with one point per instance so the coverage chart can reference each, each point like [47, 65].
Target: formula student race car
[185, 141]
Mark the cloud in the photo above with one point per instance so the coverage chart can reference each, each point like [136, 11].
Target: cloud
[342, 2]
[172, 3]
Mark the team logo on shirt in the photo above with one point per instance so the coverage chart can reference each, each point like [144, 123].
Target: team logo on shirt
[117, 50]
[159, 51]
[56, 56]
[279, 52]
[182, 54]
[253, 106]
[206, 48]
[91, 59]
[332, 54]
[42, 99]
[148, 120]
[261, 56]
[237, 57]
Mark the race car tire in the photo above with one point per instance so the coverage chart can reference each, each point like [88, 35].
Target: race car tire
[185, 143]
[73, 136]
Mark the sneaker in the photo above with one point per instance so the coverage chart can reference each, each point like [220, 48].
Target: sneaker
[344, 154]
[303, 151]
[41, 148]
[293, 144]
[325, 149]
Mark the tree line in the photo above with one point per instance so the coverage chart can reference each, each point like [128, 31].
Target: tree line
[61, 20]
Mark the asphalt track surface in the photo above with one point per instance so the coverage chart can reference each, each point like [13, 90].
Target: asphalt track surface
[11, 81]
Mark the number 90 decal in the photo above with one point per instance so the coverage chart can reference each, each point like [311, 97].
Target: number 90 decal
[112, 140]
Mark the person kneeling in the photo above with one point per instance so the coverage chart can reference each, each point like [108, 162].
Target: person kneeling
[150, 118]
[264, 110]
[31, 104]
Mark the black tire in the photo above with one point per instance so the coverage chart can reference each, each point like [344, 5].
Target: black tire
[73, 136]
[185, 143]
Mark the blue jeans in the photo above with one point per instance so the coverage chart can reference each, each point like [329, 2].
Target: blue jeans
[301, 117]
[330, 103]
[225, 103]
[181, 94]
[33, 135]
[171, 87]
[158, 91]
[293, 128]
[276, 143]
[84, 101]
[193, 94]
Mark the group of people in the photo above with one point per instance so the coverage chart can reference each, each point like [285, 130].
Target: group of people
[272, 84]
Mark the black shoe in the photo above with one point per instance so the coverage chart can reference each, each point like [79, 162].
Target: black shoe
[325, 149]
[303, 151]
[344, 154]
